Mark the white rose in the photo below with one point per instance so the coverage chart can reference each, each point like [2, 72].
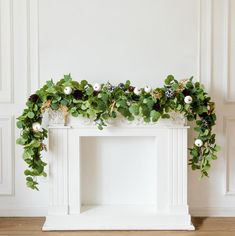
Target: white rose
[198, 142]
[188, 99]
[137, 91]
[36, 126]
[147, 89]
[67, 90]
[97, 87]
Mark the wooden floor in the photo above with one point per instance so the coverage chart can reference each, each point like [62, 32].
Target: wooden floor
[32, 226]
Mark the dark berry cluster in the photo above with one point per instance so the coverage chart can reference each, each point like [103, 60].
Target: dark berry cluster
[78, 94]
[33, 98]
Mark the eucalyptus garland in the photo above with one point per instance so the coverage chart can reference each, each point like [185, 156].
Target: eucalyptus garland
[101, 102]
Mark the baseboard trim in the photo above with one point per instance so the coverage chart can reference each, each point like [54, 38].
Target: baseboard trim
[41, 211]
[213, 211]
[38, 211]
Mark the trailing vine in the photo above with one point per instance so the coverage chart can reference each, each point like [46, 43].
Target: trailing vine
[101, 102]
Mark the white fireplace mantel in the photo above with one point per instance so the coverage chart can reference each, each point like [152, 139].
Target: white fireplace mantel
[169, 210]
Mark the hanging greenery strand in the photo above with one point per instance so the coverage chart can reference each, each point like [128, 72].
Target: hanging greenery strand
[105, 101]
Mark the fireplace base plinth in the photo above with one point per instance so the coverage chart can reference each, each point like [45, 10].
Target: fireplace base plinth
[119, 218]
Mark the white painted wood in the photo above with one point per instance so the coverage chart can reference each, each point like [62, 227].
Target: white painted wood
[229, 35]
[119, 218]
[58, 172]
[6, 51]
[74, 173]
[229, 125]
[33, 74]
[169, 210]
[6, 160]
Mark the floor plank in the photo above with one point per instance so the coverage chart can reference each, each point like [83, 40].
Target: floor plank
[26, 226]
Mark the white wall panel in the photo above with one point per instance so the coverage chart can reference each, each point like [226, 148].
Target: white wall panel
[33, 81]
[6, 156]
[230, 51]
[230, 154]
[6, 52]
[119, 40]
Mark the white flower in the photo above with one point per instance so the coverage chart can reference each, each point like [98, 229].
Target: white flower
[147, 89]
[97, 87]
[198, 142]
[137, 91]
[67, 90]
[188, 99]
[36, 126]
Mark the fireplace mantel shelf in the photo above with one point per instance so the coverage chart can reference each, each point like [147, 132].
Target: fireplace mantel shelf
[170, 209]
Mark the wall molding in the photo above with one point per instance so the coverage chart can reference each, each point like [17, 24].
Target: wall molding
[33, 62]
[212, 211]
[6, 155]
[30, 211]
[205, 15]
[226, 120]
[227, 48]
[6, 52]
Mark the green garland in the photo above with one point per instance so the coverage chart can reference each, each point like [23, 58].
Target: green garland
[105, 101]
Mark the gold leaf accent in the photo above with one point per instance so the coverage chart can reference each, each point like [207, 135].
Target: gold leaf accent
[64, 109]
[112, 106]
[157, 94]
[45, 106]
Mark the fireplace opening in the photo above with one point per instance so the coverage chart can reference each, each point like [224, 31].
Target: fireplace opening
[118, 171]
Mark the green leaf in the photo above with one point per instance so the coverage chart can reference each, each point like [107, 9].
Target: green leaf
[134, 109]
[83, 83]
[51, 90]
[30, 115]
[28, 172]
[67, 78]
[121, 103]
[50, 83]
[44, 174]
[19, 124]
[155, 115]
[29, 179]
[124, 111]
[21, 141]
[54, 106]
[169, 79]
[166, 116]
[89, 91]
[217, 148]
[64, 102]
[26, 154]
[179, 107]
[175, 86]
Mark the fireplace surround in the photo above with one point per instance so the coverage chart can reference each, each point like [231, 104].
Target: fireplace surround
[164, 178]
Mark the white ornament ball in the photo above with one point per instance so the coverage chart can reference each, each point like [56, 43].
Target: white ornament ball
[198, 142]
[188, 99]
[97, 87]
[36, 126]
[137, 91]
[67, 90]
[147, 89]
